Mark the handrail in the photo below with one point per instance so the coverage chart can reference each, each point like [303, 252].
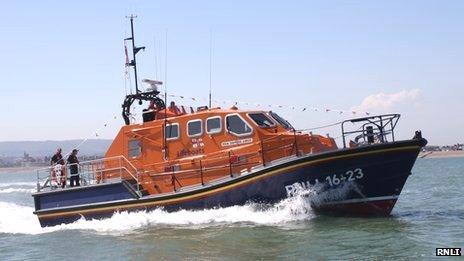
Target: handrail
[130, 173]
[223, 154]
[128, 162]
[89, 161]
[201, 170]
[167, 173]
[228, 161]
[90, 172]
[385, 124]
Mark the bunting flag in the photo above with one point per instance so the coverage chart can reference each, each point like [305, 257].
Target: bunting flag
[279, 106]
[133, 115]
[105, 125]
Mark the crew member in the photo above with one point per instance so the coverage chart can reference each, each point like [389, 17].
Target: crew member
[173, 108]
[152, 106]
[58, 173]
[57, 158]
[74, 168]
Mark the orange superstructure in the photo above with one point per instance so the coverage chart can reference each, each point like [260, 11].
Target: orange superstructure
[194, 148]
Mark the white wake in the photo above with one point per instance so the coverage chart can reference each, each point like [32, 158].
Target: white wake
[13, 190]
[16, 219]
[17, 187]
[18, 184]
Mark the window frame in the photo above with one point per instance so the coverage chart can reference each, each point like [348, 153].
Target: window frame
[290, 126]
[237, 134]
[267, 116]
[178, 131]
[139, 148]
[201, 128]
[220, 125]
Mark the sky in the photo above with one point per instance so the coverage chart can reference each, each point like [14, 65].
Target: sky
[63, 75]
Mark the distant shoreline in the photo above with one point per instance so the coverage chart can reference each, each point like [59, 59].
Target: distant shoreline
[19, 169]
[441, 154]
[427, 155]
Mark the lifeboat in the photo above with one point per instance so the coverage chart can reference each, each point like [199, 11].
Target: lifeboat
[186, 158]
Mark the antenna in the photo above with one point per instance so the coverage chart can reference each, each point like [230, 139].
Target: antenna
[135, 50]
[166, 151]
[210, 64]
[156, 59]
[151, 94]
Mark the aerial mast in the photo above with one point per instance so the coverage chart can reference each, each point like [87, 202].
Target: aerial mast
[150, 94]
[135, 50]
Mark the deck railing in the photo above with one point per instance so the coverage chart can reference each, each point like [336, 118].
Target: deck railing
[222, 164]
[369, 130]
[219, 165]
[89, 173]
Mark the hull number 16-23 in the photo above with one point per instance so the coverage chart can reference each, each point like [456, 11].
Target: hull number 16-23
[332, 180]
[350, 175]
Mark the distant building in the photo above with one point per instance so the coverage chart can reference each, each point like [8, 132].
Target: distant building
[455, 147]
[460, 146]
[27, 158]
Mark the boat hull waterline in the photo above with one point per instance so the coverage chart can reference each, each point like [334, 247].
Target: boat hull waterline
[356, 181]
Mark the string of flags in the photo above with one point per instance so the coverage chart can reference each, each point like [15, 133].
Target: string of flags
[299, 108]
[106, 124]
[235, 103]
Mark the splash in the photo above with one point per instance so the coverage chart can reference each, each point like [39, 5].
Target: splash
[321, 195]
[18, 184]
[17, 187]
[20, 219]
[16, 219]
[16, 190]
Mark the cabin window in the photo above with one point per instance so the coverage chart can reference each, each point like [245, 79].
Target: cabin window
[213, 125]
[172, 131]
[194, 128]
[261, 120]
[237, 125]
[281, 120]
[134, 148]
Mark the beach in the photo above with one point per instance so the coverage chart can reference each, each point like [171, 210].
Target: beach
[441, 154]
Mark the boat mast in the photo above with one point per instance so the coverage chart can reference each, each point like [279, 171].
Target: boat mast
[148, 95]
[135, 50]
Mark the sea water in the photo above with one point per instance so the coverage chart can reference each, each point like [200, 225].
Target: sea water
[429, 214]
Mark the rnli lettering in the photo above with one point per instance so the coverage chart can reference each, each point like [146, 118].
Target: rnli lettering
[236, 142]
[448, 251]
[331, 180]
[197, 149]
[295, 187]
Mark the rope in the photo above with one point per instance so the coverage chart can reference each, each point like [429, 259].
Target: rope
[95, 133]
[322, 127]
